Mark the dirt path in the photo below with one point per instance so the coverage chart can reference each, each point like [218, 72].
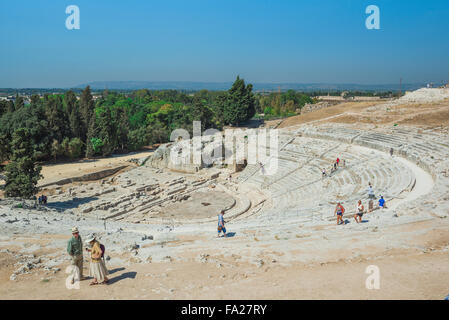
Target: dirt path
[423, 276]
[56, 172]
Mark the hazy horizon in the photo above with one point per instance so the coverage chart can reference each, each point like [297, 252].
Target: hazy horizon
[212, 42]
[218, 86]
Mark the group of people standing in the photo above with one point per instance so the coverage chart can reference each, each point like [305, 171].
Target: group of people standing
[360, 210]
[97, 267]
[42, 199]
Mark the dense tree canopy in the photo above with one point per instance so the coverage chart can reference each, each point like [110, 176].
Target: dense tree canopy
[282, 104]
[98, 124]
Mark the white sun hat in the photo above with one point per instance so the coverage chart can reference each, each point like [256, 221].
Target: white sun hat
[90, 238]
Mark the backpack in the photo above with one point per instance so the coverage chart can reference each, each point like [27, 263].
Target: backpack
[103, 249]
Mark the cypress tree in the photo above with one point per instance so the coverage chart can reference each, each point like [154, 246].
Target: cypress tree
[239, 105]
[10, 106]
[19, 102]
[91, 134]
[86, 109]
[75, 123]
[22, 173]
[70, 102]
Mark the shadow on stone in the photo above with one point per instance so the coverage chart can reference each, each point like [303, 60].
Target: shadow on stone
[126, 275]
[116, 270]
[71, 204]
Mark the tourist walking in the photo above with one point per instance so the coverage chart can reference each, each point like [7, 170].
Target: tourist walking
[333, 168]
[391, 151]
[262, 171]
[323, 173]
[339, 210]
[262, 168]
[382, 203]
[75, 250]
[360, 210]
[97, 268]
[221, 224]
[371, 192]
[370, 205]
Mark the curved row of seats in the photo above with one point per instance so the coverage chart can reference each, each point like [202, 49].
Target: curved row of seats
[297, 188]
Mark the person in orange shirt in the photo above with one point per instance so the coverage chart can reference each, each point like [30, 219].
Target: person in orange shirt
[339, 210]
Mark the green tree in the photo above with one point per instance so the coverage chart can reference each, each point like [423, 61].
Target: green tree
[56, 118]
[75, 148]
[107, 131]
[56, 149]
[123, 129]
[19, 102]
[65, 147]
[3, 107]
[69, 101]
[137, 138]
[157, 133]
[290, 106]
[86, 109]
[22, 173]
[10, 106]
[201, 112]
[91, 143]
[35, 100]
[76, 127]
[239, 105]
[4, 146]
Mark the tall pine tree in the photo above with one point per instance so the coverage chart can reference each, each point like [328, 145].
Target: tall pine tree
[91, 137]
[19, 102]
[86, 110]
[239, 105]
[69, 101]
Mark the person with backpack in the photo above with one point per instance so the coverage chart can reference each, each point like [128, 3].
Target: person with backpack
[97, 266]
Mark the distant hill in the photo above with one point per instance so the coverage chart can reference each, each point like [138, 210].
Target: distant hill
[156, 85]
[193, 86]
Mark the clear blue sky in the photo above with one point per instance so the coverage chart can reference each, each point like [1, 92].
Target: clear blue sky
[317, 41]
